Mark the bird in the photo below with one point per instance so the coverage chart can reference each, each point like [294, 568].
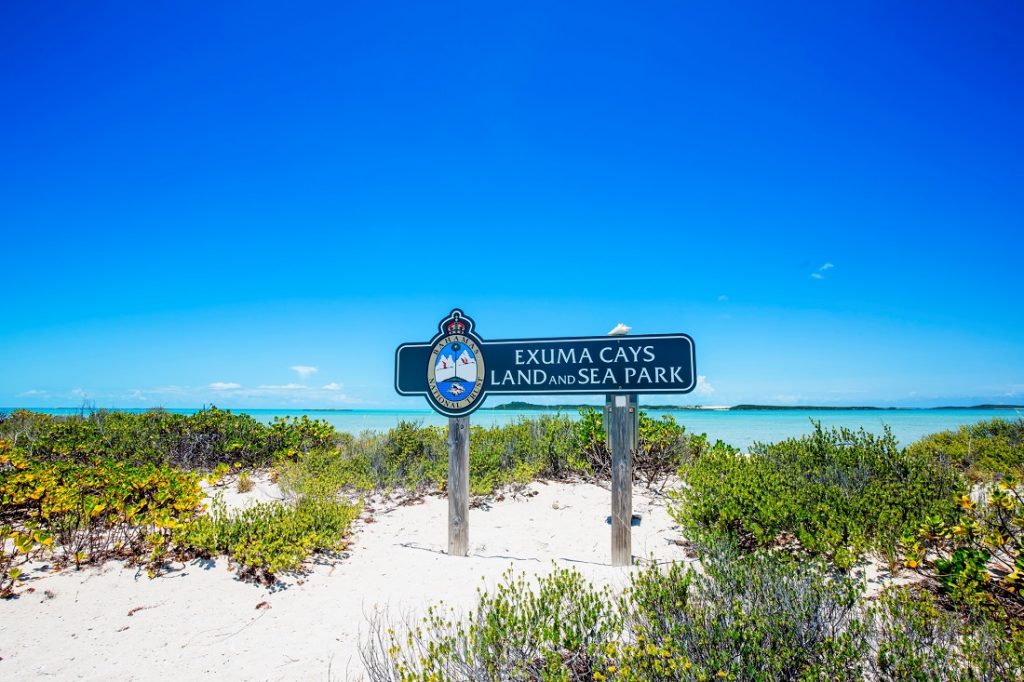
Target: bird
[620, 330]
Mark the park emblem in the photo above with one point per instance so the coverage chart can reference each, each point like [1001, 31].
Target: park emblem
[455, 369]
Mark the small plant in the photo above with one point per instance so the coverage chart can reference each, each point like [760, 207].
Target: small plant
[244, 483]
[16, 548]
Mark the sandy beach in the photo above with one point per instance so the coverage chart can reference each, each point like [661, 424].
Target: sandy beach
[198, 621]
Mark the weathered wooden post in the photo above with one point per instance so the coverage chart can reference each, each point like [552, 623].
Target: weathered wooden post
[620, 425]
[458, 486]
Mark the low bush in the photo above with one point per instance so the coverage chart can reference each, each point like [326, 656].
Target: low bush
[915, 638]
[95, 510]
[983, 450]
[977, 559]
[739, 617]
[836, 493]
[415, 457]
[747, 617]
[267, 538]
[662, 446]
[557, 631]
[196, 441]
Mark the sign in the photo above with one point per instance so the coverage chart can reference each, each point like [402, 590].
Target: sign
[457, 369]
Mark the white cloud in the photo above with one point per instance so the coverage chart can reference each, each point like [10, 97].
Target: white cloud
[703, 387]
[304, 371]
[78, 393]
[224, 385]
[137, 395]
[723, 298]
[333, 386]
[32, 392]
[824, 268]
[283, 387]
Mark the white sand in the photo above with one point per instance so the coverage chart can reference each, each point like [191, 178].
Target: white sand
[114, 623]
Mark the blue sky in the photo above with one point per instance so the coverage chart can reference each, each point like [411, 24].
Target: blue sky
[249, 204]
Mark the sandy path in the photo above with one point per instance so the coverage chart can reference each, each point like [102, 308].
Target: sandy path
[111, 623]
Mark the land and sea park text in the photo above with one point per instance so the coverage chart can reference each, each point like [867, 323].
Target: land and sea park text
[620, 365]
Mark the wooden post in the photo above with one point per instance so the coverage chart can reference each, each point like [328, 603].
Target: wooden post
[620, 416]
[458, 486]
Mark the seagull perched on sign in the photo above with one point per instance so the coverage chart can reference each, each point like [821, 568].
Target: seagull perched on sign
[620, 330]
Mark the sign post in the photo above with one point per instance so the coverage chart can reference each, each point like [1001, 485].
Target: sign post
[458, 486]
[456, 370]
[620, 426]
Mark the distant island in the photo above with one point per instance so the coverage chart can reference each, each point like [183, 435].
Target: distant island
[517, 405]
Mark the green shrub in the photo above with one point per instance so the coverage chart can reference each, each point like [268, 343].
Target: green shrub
[268, 538]
[197, 441]
[416, 457]
[981, 450]
[554, 632]
[747, 617]
[977, 559]
[916, 639]
[662, 446]
[737, 617]
[837, 493]
[95, 510]
[291, 436]
[322, 473]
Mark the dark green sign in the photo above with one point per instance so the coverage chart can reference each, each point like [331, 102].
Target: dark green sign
[457, 369]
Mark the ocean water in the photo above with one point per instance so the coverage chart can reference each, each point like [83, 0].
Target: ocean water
[740, 428]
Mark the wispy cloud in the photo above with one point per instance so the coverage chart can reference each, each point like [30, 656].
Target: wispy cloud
[304, 371]
[224, 385]
[820, 272]
[283, 387]
[723, 298]
[333, 386]
[79, 393]
[136, 394]
[33, 392]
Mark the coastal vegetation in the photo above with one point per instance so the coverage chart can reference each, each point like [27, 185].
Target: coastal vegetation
[782, 535]
[741, 616]
[836, 493]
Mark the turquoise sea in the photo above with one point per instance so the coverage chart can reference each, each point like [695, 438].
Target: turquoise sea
[737, 427]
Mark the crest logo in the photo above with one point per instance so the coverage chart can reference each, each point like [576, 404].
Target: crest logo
[455, 369]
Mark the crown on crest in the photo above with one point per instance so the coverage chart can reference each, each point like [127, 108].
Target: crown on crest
[456, 326]
[455, 323]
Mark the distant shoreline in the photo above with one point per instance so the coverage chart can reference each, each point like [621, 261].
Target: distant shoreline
[521, 406]
[534, 407]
